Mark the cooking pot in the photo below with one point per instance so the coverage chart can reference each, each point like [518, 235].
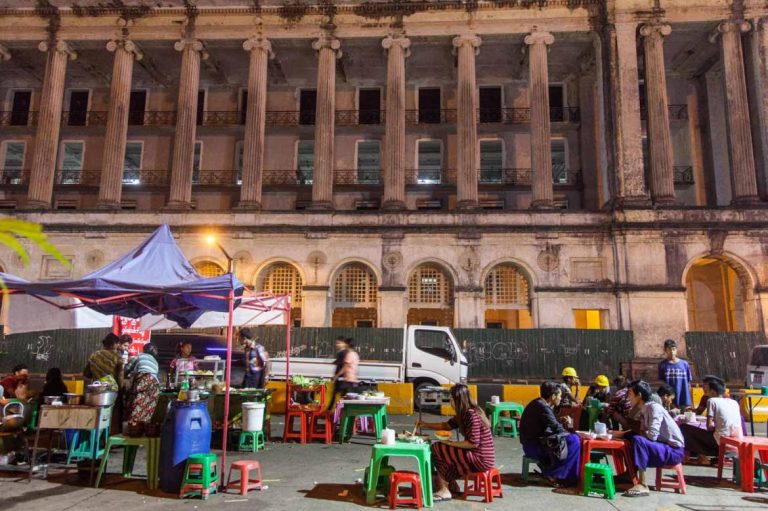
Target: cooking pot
[97, 388]
[72, 399]
[101, 398]
[12, 421]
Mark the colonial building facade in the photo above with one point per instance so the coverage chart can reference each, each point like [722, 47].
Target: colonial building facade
[500, 164]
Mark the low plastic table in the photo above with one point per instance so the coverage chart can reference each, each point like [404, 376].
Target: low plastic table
[380, 454]
[614, 447]
[494, 411]
[131, 445]
[376, 408]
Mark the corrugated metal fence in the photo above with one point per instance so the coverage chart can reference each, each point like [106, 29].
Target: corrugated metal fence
[65, 349]
[724, 354]
[492, 354]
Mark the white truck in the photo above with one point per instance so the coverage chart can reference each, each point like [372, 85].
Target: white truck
[431, 356]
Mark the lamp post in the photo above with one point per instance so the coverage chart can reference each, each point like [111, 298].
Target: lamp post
[230, 260]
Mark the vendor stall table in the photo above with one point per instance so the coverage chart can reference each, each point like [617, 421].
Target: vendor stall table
[216, 404]
[493, 410]
[752, 401]
[132, 444]
[71, 417]
[380, 454]
[376, 408]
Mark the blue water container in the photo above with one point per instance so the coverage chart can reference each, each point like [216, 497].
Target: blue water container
[186, 431]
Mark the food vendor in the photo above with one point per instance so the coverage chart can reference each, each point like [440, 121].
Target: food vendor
[184, 362]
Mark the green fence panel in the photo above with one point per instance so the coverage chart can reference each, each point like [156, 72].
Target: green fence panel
[724, 354]
[65, 349]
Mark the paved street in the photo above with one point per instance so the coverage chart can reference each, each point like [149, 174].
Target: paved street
[320, 477]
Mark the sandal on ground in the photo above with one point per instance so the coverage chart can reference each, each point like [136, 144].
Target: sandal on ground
[440, 498]
[632, 492]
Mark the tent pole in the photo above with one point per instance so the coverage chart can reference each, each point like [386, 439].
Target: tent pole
[227, 379]
[287, 357]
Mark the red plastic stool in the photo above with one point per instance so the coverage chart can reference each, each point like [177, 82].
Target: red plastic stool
[321, 431]
[292, 434]
[678, 481]
[481, 484]
[245, 482]
[398, 478]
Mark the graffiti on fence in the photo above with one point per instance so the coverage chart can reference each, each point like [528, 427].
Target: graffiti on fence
[42, 348]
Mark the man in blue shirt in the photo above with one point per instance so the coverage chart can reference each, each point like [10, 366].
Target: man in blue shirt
[676, 373]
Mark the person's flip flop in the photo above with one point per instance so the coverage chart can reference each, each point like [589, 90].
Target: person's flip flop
[440, 498]
[636, 493]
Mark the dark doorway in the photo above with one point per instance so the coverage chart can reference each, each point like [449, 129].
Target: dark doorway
[22, 101]
[429, 105]
[137, 107]
[307, 106]
[556, 103]
[369, 106]
[490, 104]
[78, 108]
[200, 107]
[243, 105]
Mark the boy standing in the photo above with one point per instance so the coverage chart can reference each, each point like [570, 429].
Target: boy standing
[676, 373]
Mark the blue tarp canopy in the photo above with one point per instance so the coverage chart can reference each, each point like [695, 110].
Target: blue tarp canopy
[153, 278]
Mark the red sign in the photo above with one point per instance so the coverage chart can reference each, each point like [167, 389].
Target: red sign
[132, 327]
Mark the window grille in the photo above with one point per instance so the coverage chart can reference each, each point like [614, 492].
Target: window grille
[283, 278]
[506, 285]
[209, 269]
[355, 286]
[429, 284]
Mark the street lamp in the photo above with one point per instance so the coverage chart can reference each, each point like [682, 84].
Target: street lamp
[211, 239]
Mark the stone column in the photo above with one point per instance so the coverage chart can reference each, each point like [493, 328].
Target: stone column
[186, 123]
[394, 141]
[541, 139]
[316, 307]
[43, 167]
[5, 54]
[328, 50]
[113, 160]
[467, 46]
[659, 136]
[743, 176]
[260, 50]
[393, 307]
[625, 114]
[756, 59]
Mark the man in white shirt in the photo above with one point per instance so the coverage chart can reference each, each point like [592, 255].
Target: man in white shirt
[723, 419]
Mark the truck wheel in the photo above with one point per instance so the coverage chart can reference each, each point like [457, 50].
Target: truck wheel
[419, 384]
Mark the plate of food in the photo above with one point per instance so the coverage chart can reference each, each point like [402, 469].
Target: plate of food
[443, 435]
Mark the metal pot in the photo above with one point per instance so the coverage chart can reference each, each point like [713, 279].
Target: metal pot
[101, 399]
[72, 399]
[97, 388]
[12, 422]
[48, 400]
[193, 395]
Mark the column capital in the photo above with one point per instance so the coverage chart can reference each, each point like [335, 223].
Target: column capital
[259, 43]
[655, 29]
[59, 46]
[539, 37]
[401, 41]
[195, 44]
[470, 40]
[5, 54]
[327, 41]
[127, 45]
[728, 26]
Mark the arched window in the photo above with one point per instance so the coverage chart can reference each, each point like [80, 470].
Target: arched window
[506, 285]
[282, 278]
[507, 298]
[430, 285]
[209, 269]
[715, 292]
[355, 286]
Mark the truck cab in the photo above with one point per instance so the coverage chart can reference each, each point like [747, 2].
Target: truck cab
[433, 356]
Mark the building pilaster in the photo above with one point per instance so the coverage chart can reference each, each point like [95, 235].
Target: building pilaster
[398, 49]
[467, 47]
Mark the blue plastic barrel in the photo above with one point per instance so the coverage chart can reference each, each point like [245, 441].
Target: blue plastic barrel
[186, 431]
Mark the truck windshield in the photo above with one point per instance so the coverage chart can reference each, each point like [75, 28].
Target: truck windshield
[759, 356]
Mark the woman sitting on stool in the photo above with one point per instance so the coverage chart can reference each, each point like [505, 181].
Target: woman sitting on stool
[659, 443]
[540, 431]
[456, 459]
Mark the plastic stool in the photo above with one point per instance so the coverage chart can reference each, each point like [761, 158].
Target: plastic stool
[292, 434]
[251, 441]
[527, 465]
[320, 431]
[245, 482]
[131, 445]
[382, 485]
[83, 441]
[201, 476]
[507, 427]
[398, 478]
[678, 481]
[606, 488]
[481, 484]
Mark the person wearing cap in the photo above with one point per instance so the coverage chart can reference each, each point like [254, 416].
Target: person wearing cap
[256, 360]
[600, 389]
[676, 373]
[570, 380]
